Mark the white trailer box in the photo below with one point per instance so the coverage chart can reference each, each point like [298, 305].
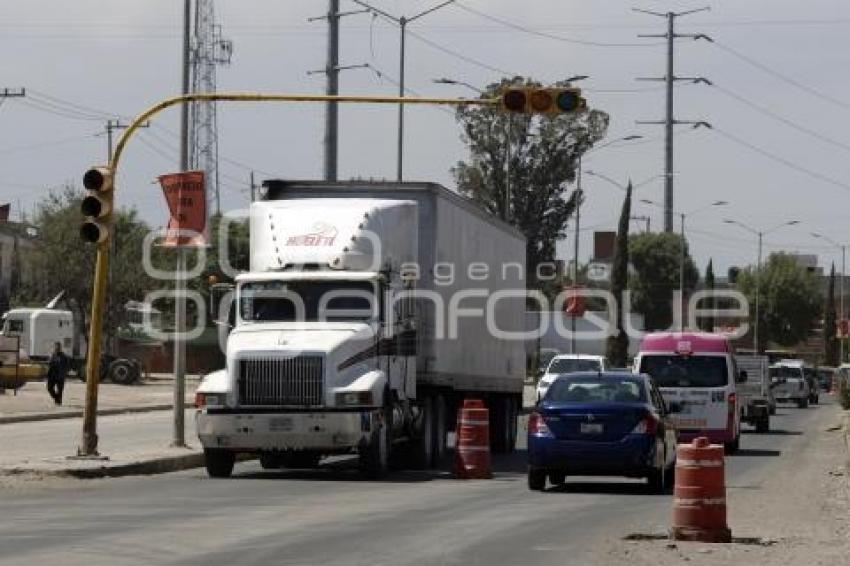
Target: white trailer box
[457, 332]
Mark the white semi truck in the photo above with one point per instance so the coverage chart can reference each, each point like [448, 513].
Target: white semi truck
[371, 310]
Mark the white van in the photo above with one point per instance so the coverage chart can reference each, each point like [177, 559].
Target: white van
[697, 370]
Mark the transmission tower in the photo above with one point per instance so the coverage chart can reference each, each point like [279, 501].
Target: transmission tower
[209, 49]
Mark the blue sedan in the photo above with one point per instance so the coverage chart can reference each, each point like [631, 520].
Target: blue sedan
[602, 424]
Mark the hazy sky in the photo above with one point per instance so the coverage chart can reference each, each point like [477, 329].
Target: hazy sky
[118, 56]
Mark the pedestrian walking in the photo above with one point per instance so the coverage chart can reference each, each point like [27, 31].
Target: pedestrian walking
[57, 370]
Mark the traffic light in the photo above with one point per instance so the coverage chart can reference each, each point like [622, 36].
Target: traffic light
[97, 205]
[542, 100]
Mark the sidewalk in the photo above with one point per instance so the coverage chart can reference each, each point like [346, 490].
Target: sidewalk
[32, 403]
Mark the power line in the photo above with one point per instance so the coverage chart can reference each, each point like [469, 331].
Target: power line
[461, 56]
[788, 163]
[546, 35]
[782, 119]
[782, 77]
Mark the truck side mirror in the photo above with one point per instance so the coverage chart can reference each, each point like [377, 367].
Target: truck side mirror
[742, 377]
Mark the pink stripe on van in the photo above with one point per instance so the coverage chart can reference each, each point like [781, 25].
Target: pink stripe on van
[685, 343]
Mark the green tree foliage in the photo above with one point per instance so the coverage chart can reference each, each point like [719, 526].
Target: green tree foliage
[656, 258]
[63, 262]
[830, 339]
[707, 323]
[617, 347]
[530, 158]
[790, 300]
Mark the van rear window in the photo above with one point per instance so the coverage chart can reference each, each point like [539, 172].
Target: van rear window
[686, 371]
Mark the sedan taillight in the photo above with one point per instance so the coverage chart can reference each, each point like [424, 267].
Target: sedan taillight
[647, 425]
[537, 426]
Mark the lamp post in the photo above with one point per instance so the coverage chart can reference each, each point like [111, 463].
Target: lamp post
[682, 216]
[843, 249]
[760, 234]
[402, 22]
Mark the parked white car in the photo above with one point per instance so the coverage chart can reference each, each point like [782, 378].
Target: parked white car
[568, 363]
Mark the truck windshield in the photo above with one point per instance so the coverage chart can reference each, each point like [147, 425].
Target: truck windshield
[686, 371]
[13, 326]
[307, 301]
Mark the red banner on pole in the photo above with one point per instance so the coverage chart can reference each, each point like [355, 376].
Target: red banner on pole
[187, 204]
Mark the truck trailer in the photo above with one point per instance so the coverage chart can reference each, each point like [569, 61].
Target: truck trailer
[370, 312]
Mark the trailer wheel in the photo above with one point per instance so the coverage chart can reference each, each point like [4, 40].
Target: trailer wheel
[423, 445]
[219, 463]
[763, 425]
[123, 372]
[440, 421]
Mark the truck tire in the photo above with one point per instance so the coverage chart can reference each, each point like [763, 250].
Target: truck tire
[500, 425]
[123, 372]
[422, 446]
[763, 425]
[270, 461]
[219, 463]
[802, 403]
[375, 455]
[440, 436]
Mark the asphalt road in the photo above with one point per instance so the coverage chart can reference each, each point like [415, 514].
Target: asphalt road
[331, 517]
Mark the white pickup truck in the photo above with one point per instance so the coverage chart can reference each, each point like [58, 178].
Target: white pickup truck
[363, 324]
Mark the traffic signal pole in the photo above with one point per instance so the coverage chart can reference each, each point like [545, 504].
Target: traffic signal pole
[89, 443]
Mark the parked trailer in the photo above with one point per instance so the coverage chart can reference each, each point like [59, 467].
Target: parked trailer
[420, 272]
[755, 396]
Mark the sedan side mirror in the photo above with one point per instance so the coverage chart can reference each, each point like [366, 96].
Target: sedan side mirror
[742, 377]
[674, 407]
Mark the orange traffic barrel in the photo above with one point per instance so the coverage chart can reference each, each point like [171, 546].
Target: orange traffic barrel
[699, 497]
[472, 450]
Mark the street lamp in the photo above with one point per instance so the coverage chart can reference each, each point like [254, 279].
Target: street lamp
[446, 81]
[618, 185]
[760, 234]
[843, 249]
[402, 22]
[682, 216]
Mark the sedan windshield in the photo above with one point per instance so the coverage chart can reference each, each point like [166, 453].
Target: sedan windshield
[570, 365]
[686, 371]
[596, 390]
[300, 301]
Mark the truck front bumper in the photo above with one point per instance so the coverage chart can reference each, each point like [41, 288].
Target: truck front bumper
[320, 431]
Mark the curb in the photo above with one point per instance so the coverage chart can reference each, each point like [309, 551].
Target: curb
[147, 467]
[38, 417]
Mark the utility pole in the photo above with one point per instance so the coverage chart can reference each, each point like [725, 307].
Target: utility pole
[579, 195]
[253, 188]
[669, 120]
[402, 22]
[331, 71]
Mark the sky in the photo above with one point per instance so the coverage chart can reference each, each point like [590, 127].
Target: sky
[777, 150]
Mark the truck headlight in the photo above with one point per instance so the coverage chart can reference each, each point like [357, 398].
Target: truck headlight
[354, 399]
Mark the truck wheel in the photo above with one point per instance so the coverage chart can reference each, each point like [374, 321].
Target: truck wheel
[772, 410]
[122, 372]
[423, 446]
[438, 450]
[763, 425]
[802, 403]
[500, 429]
[375, 455]
[219, 463]
[557, 478]
[733, 446]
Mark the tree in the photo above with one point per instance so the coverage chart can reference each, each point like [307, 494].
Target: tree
[527, 160]
[708, 322]
[617, 347]
[63, 262]
[656, 259]
[790, 300]
[830, 339]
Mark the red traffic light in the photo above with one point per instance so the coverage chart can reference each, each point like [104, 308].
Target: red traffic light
[514, 100]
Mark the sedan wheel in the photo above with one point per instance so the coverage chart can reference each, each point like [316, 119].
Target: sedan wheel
[536, 479]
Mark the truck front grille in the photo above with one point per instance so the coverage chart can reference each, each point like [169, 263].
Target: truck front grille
[275, 381]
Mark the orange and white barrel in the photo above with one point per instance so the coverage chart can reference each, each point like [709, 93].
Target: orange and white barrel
[472, 450]
[699, 500]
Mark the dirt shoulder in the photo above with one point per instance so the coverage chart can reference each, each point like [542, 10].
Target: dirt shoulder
[800, 511]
